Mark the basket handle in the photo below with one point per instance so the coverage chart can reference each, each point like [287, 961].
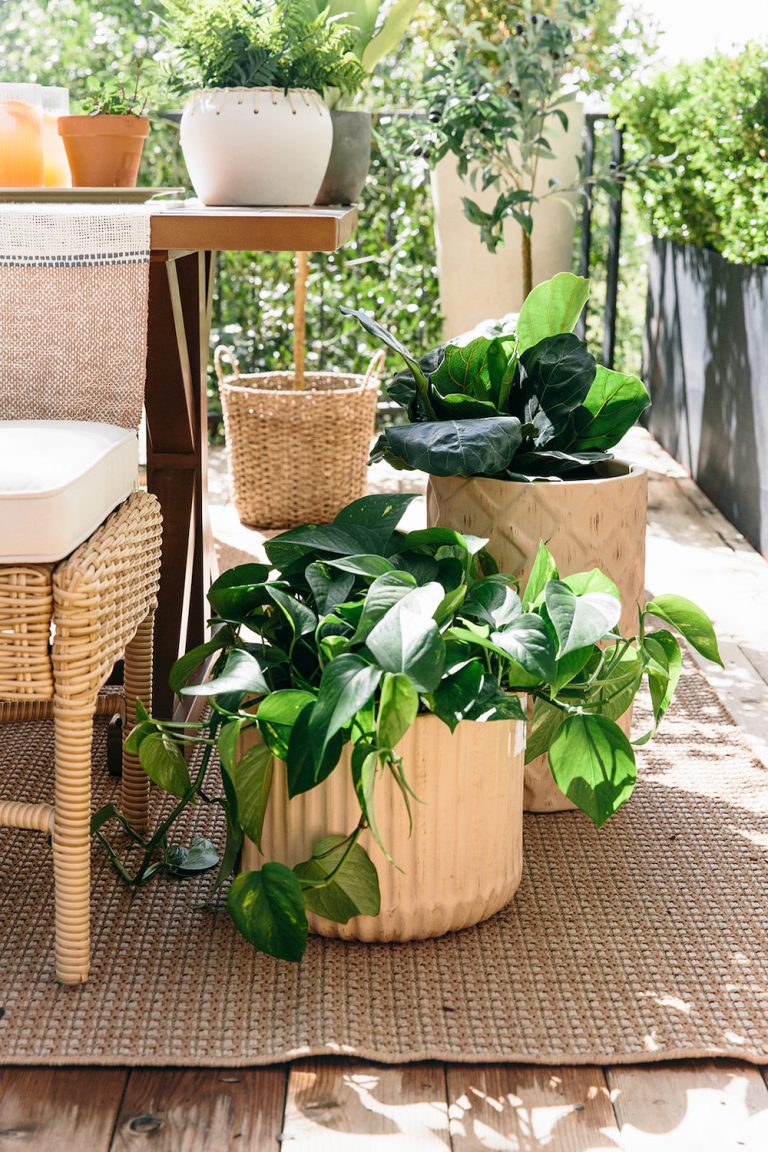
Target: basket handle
[375, 368]
[224, 354]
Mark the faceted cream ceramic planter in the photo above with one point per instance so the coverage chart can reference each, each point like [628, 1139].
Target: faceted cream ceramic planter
[256, 146]
[584, 523]
[463, 860]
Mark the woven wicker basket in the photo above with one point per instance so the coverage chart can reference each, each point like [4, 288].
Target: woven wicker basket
[297, 456]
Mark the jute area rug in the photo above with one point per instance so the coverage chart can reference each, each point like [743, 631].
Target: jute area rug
[646, 941]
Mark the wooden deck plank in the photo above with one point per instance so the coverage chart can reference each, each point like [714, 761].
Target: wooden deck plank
[513, 1108]
[707, 1106]
[59, 1109]
[343, 1106]
[201, 1110]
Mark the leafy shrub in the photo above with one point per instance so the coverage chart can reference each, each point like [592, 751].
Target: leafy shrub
[710, 118]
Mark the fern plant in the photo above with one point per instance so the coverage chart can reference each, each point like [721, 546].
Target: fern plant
[259, 43]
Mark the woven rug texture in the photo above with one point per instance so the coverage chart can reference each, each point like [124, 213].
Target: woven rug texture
[645, 941]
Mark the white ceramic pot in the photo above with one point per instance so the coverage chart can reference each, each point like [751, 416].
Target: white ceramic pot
[463, 860]
[585, 524]
[476, 284]
[256, 146]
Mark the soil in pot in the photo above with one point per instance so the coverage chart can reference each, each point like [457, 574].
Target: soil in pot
[585, 524]
[463, 860]
[104, 151]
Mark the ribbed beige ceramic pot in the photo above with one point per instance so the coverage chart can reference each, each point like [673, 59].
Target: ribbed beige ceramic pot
[463, 860]
[585, 524]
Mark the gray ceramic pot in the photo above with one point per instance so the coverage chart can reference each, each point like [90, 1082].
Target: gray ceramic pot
[350, 158]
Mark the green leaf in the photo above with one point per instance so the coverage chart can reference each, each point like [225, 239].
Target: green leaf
[365, 764]
[492, 600]
[227, 743]
[238, 591]
[431, 537]
[301, 618]
[277, 716]
[544, 725]
[558, 375]
[354, 889]
[191, 661]
[381, 333]
[137, 735]
[396, 24]
[462, 368]
[691, 622]
[593, 764]
[551, 308]
[199, 857]
[580, 621]
[457, 692]
[252, 782]
[580, 583]
[379, 515]
[528, 641]
[241, 673]
[482, 447]
[141, 713]
[363, 565]
[398, 706]
[494, 703]
[382, 595]
[162, 760]
[329, 588]
[664, 672]
[347, 684]
[307, 766]
[612, 406]
[268, 909]
[407, 638]
[544, 569]
[456, 407]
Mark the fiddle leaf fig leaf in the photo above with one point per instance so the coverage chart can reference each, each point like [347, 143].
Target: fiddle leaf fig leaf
[690, 621]
[268, 909]
[593, 764]
[551, 308]
[612, 406]
[482, 447]
[558, 375]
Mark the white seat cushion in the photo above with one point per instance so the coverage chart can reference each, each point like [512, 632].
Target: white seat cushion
[59, 479]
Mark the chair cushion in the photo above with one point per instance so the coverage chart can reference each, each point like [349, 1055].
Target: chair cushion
[59, 479]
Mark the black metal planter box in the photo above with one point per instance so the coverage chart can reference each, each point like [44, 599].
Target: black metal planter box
[706, 367]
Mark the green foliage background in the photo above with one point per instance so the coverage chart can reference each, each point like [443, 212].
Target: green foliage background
[710, 118]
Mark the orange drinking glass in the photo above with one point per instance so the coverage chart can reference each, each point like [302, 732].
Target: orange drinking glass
[21, 136]
[56, 172]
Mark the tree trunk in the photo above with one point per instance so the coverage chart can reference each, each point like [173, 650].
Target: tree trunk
[527, 264]
[300, 317]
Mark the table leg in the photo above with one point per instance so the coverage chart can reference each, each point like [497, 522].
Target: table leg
[177, 453]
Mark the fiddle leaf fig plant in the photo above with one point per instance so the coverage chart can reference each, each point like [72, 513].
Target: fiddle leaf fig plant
[522, 402]
[353, 631]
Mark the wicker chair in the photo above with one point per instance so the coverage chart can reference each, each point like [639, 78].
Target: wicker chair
[79, 554]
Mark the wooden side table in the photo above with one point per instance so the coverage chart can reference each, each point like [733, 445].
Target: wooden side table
[184, 246]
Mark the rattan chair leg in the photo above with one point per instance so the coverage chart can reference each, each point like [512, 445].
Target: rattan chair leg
[138, 685]
[73, 720]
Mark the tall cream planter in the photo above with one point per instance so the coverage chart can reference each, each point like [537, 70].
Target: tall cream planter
[463, 860]
[256, 146]
[475, 283]
[585, 524]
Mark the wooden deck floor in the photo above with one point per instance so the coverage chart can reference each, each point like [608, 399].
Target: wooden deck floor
[343, 1105]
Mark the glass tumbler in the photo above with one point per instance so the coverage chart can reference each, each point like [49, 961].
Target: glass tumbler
[21, 136]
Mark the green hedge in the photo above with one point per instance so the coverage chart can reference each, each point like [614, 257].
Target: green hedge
[710, 118]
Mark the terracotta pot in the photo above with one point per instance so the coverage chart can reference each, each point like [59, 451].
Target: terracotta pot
[104, 151]
[350, 159]
[585, 524]
[463, 860]
[256, 146]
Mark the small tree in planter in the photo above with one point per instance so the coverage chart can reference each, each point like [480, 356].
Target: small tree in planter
[334, 676]
[488, 416]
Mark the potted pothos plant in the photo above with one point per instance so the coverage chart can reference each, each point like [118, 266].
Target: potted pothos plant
[104, 145]
[255, 129]
[374, 37]
[365, 700]
[515, 428]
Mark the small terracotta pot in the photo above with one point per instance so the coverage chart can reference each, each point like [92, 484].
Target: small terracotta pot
[104, 151]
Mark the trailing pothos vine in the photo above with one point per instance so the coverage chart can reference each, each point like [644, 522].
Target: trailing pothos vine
[322, 660]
